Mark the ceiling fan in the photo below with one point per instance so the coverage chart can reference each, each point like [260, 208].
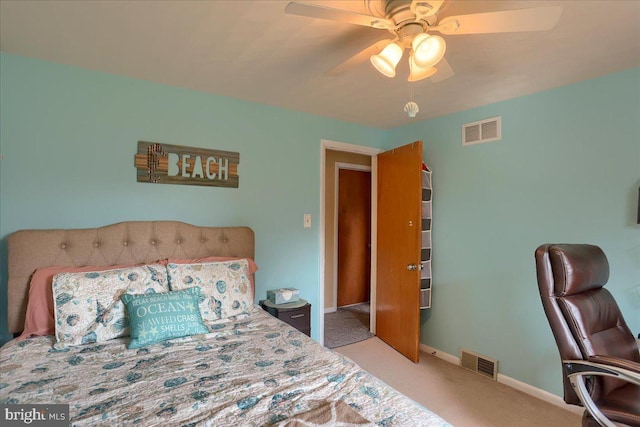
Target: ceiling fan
[413, 24]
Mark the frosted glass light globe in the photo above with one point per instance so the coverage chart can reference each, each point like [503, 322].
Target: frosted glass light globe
[428, 50]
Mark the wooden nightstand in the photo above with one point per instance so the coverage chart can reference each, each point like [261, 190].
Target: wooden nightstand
[298, 317]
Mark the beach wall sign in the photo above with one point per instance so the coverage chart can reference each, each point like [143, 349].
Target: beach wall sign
[176, 164]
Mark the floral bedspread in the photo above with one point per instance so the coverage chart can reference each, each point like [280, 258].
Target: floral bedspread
[253, 370]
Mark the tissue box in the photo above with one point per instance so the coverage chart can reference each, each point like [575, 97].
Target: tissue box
[283, 295]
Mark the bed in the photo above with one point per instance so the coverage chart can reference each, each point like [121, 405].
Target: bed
[247, 368]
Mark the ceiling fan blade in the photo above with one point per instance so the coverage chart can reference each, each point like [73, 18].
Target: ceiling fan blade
[444, 71]
[322, 12]
[425, 8]
[358, 58]
[534, 19]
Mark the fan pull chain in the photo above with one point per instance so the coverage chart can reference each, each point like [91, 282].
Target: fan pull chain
[411, 108]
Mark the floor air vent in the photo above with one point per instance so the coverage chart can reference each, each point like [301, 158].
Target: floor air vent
[482, 131]
[475, 362]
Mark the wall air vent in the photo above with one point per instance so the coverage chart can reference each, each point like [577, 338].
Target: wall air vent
[475, 362]
[482, 131]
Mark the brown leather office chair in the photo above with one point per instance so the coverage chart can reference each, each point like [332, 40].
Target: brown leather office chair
[600, 358]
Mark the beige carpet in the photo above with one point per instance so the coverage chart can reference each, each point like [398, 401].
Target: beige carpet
[463, 398]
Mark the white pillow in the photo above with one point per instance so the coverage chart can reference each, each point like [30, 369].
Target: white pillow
[225, 286]
[87, 305]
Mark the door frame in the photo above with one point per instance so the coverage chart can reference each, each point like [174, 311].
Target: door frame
[325, 145]
[343, 166]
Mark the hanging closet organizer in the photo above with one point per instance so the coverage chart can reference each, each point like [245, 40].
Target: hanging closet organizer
[425, 255]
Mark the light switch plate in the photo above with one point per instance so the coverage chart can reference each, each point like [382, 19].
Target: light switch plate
[307, 220]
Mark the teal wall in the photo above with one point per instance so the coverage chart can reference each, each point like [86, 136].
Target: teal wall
[68, 137]
[567, 170]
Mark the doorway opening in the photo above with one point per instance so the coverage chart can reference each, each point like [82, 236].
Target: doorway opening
[337, 157]
[348, 316]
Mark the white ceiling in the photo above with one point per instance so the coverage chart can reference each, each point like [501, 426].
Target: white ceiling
[252, 50]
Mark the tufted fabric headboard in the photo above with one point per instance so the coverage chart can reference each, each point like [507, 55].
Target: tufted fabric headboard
[130, 242]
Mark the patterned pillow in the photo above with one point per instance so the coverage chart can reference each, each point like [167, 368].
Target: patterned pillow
[159, 317]
[225, 286]
[253, 267]
[87, 305]
[40, 318]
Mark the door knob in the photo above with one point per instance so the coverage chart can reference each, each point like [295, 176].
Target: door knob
[412, 267]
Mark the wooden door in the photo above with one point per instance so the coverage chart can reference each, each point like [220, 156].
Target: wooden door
[399, 232]
[354, 237]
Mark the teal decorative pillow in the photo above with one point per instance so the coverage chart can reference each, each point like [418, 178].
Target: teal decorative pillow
[225, 286]
[159, 317]
[87, 305]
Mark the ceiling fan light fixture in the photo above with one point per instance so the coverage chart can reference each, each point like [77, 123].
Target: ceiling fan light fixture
[385, 62]
[418, 73]
[428, 49]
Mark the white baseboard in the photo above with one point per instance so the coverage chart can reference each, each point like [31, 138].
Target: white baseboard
[511, 382]
[440, 354]
[330, 310]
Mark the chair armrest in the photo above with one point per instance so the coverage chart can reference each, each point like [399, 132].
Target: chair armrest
[577, 370]
[629, 365]
[613, 367]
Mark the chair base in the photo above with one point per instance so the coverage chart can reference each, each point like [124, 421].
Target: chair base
[589, 421]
